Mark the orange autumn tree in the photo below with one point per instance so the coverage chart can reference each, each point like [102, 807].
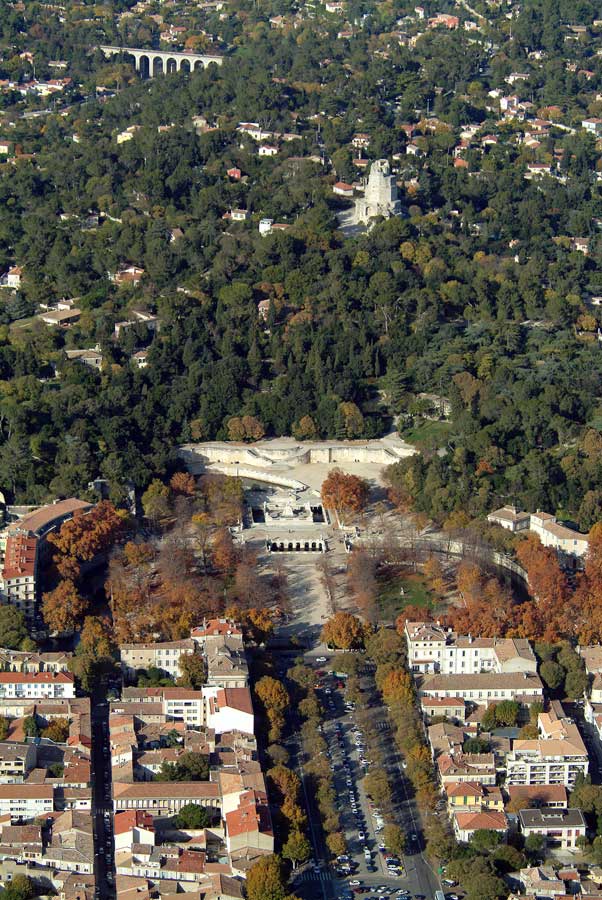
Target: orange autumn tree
[63, 608]
[343, 631]
[224, 554]
[585, 608]
[490, 614]
[548, 586]
[344, 494]
[398, 687]
[469, 580]
[85, 536]
[183, 483]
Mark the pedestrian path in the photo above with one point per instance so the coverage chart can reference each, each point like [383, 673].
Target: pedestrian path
[310, 875]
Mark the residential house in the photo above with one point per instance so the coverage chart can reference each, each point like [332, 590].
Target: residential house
[471, 796]
[140, 359]
[541, 881]
[128, 134]
[566, 541]
[13, 277]
[510, 518]
[554, 796]
[230, 709]
[91, 357]
[593, 125]
[164, 656]
[127, 275]
[133, 826]
[538, 170]
[250, 824]
[341, 189]
[559, 827]
[473, 767]
[453, 708]
[466, 823]
[253, 130]
[444, 21]
[445, 738]
[486, 688]
[61, 318]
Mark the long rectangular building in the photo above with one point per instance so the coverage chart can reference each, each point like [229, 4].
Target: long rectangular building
[165, 798]
[485, 688]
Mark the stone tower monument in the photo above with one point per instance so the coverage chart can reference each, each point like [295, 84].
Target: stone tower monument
[380, 196]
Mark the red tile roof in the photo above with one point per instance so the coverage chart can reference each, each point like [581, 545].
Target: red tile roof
[236, 698]
[192, 861]
[216, 626]
[20, 556]
[36, 677]
[252, 815]
[132, 818]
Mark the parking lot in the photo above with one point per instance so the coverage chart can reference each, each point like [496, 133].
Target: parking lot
[366, 869]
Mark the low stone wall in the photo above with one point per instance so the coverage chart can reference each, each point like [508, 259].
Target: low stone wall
[264, 475]
[266, 454]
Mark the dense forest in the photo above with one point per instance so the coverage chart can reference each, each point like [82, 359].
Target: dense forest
[476, 293]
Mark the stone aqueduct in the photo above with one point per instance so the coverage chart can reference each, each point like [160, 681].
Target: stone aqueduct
[162, 62]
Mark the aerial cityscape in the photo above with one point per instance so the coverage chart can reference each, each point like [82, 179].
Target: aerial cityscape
[300, 449]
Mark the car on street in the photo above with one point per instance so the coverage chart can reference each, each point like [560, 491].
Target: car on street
[321, 659]
[355, 883]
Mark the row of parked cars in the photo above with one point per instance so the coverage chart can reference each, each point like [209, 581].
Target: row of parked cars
[380, 892]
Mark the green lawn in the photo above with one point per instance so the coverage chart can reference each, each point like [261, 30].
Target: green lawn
[415, 593]
[431, 435]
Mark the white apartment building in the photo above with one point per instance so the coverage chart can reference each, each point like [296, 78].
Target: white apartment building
[557, 757]
[486, 688]
[25, 801]
[433, 648]
[37, 685]
[185, 705]
[229, 709]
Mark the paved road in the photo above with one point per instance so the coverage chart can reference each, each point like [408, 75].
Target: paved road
[104, 862]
